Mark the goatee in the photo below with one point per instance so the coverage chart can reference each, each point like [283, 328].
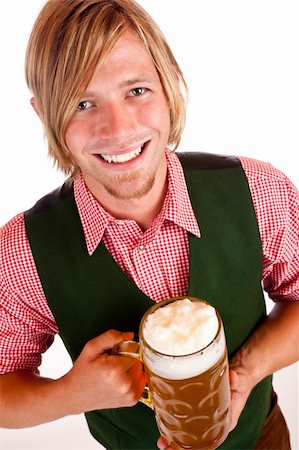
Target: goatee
[122, 191]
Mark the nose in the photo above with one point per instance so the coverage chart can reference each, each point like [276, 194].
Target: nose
[116, 121]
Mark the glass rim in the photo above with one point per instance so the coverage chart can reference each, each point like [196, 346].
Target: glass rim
[165, 302]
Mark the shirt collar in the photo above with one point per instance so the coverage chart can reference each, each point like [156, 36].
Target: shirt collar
[94, 218]
[179, 209]
[177, 206]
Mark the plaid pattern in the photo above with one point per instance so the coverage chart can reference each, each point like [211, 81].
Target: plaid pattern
[27, 324]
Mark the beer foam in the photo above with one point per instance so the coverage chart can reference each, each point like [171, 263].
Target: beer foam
[181, 332]
[181, 328]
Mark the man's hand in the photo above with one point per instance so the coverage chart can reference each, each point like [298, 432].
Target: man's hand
[240, 390]
[99, 380]
[162, 444]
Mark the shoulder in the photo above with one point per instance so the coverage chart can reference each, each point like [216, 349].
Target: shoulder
[258, 170]
[13, 244]
[52, 199]
[269, 184]
[207, 161]
[276, 203]
[12, 232]
[15, 255]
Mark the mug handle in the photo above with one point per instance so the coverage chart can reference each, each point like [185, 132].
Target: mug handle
[132, 348]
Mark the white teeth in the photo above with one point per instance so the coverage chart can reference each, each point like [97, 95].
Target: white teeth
[122, 158]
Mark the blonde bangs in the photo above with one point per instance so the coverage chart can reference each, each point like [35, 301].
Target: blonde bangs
[69, 42]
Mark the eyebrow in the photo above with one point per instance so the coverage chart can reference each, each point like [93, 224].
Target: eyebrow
[138, 80]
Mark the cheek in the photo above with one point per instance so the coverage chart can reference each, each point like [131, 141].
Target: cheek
[68, 137]
[157, 115]
[76, 137]
[164, 115]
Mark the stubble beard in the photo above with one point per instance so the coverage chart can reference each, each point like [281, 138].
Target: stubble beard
[121, 188]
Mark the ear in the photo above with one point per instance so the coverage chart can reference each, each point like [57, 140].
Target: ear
[34, 106]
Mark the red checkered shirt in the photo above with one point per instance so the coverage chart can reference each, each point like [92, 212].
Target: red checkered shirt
[27, 325]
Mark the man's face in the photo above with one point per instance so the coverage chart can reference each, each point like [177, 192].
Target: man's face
[120, 129]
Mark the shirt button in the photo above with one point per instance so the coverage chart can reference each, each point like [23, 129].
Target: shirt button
[120, 223]
[141, 248]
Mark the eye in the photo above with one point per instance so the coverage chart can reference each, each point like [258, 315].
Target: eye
[83, 105]
[136, 92]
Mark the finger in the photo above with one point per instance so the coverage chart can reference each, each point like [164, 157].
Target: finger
[137, 381]
[125, 362]
[106, 341]
[162, 444]
[129, 384]
[233, 379]
[137, 374]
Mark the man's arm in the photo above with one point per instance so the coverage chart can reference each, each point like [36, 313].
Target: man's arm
[97, 380]
[271, 347]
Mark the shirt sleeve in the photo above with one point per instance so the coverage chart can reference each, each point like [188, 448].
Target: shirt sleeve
[21, 346]
[276, 204]
[27, 327]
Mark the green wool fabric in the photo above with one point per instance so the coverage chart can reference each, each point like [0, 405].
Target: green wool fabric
[90, 294]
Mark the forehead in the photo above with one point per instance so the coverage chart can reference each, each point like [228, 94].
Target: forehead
[128, 43]
[128, 55]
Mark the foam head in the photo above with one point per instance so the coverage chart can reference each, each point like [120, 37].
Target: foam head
[180, 338]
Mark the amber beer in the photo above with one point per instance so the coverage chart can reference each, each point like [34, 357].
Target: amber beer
[188, 381]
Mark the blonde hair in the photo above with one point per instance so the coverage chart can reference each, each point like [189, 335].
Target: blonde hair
[69, 41]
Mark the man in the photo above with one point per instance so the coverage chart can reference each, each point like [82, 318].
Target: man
[124, 231]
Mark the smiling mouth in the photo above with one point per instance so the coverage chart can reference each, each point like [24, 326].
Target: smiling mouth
[124, 157]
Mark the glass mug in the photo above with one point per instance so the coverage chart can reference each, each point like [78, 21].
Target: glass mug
[189, 393]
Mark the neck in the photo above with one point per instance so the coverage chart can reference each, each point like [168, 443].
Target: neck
[142, 210]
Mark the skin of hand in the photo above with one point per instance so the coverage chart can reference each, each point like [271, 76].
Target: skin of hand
[105, 380]
[270, 348]
[97, 380]
[162, 444]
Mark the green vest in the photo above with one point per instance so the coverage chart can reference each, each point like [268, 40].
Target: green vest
[91, 294]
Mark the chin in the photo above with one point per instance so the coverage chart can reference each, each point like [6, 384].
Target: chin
[127, 193]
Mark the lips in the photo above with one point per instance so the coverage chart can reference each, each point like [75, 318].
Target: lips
[124, 157]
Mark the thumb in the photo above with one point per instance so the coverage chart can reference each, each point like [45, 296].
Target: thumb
[233, 379]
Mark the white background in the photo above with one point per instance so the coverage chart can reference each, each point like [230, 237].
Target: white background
[240, 59]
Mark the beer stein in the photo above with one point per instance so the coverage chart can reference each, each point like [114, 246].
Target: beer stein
[183, 349]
